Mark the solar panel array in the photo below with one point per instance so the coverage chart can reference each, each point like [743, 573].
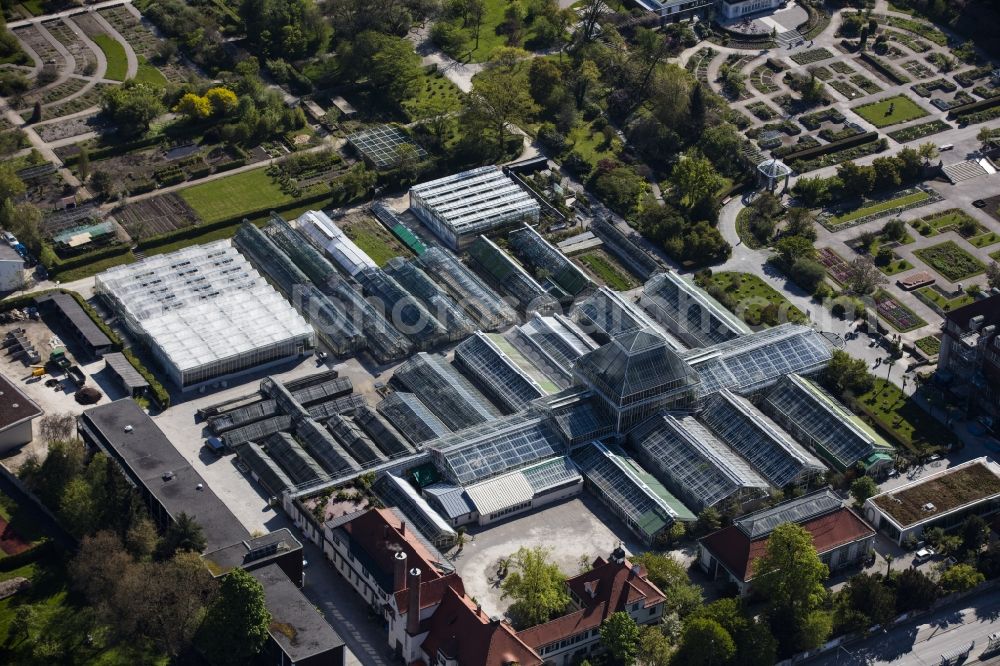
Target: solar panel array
[752, 362]
[769, 449]
[692, 463]
[382, 145]
[411, 418]
[495, 447]
[493, 372]
[821, 422]
[451, 397]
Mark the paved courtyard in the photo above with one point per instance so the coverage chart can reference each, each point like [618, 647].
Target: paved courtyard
[576, 528]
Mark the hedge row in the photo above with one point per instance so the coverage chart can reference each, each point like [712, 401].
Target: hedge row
[885, 68]
[816, 151]
[160, 395]
[11, 562]
[55, 265]
[115, 150]
[973, 107]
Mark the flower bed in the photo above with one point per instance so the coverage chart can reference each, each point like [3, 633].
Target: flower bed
[896, 314]
[836, 267]
[848, 154]
[811, 56]
[925, 89]
[914, 132]
[866, 84]
[902, 201]
[930, 345]
[762, 111]
[951, 261]
[940, 302]
[846, 89]
[813, 120]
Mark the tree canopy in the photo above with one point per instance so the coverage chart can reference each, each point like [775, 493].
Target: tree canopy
[536, 585]
[235, 627]
[620, 636]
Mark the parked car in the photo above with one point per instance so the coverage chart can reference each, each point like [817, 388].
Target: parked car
[9, 238]
[215, 445]
[923, 555]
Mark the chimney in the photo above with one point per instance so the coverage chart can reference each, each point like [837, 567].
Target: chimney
[402, 527]
[399, 573]
[413, 608]
[385, 532]
[636, 570]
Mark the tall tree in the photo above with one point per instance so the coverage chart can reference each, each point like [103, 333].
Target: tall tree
[790, 574]
[654, 647]
[235, 627]
[682, 596]
[183, 534]
[497, 101]
[536, 585]
[11, 186]
[695, 179]
[704, 643]
[863, 276]
[915, 590]
[865, 601]
[620, 636]
[862, 488]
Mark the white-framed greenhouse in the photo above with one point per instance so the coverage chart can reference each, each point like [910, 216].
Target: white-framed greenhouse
[553, 344]
[689, 312]
[826, 426]
[460, 207]
[756, 361]
[448, 394]
[205, 313]
[762, 442]
[694, 465]
[495, 374]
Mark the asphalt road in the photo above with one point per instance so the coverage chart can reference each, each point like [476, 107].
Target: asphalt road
[921, 642]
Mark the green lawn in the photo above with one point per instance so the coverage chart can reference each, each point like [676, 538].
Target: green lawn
[96, 267]
[946, 220]
[592, 145]
[115, 53]
[149, 74]
[985, 240]
[951, 261]
[902, 419]
[435, 95]
[942, 302]
[929, 345]
[747, 296]
[896, 266]
[490, 39]
[607, 270]
[242, 193]
[375, 240]
[995, 255]
[880, 206]
[878, 113]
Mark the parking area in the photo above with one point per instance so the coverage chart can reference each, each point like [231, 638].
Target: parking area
[577, 528]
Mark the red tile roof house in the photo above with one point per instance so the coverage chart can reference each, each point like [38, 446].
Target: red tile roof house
[610, 586]
[841, 538]
[422, 599]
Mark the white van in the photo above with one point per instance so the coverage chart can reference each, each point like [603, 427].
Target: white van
[947, 146]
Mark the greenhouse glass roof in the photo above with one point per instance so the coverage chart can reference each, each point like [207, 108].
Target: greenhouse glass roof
[495, 447]
[693, 462]
[822, 422]
[445, 392]
[759, 524]
[621, 482]
[631, 367]
[383, 145]
[765, 445]
[752, 362]
[411, 417]
[491, 369]
[202, 304]
[609, 315]
[689, 312]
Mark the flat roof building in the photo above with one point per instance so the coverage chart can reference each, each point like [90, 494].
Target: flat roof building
[944, 499]
[131, 380]
[83, 329]
[165, 479]
[17, 412]
[460, 207]
[205, 313]
[11, 269]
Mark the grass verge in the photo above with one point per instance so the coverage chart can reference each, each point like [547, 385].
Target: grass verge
[880, 207]
[751, 299]
[607, 270]
[115, 54]
[235, 195]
